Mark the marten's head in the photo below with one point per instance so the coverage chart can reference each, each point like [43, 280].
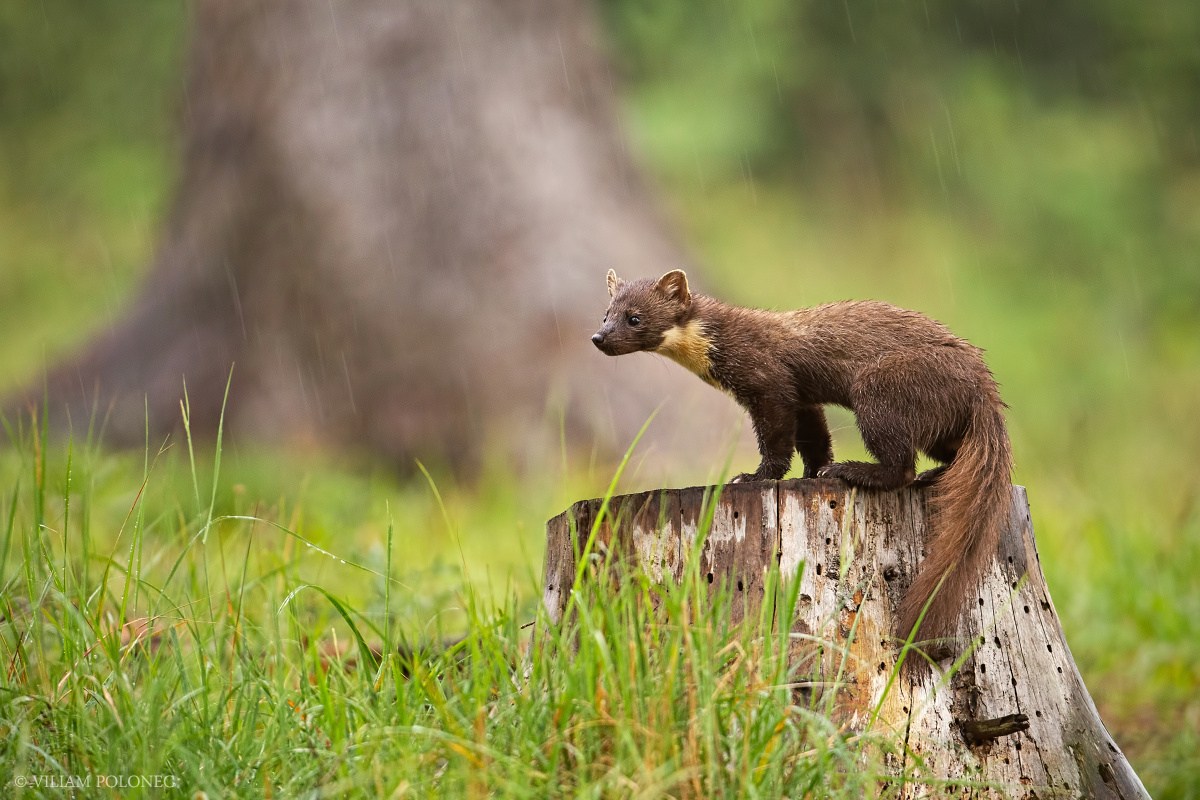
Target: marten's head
[642, 313]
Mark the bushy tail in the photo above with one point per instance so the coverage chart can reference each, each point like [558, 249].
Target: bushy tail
[970, 506]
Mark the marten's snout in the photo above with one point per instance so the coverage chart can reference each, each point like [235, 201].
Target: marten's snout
[603, 343]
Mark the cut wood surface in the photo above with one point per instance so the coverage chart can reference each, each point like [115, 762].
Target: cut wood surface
[1013, 720]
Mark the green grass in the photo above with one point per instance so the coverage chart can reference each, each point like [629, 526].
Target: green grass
[149, 632]
[1055, 231]
[1101, 389]
[1101, 392]
[160, 620]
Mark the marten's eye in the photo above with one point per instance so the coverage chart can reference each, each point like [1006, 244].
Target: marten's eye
[635, 320]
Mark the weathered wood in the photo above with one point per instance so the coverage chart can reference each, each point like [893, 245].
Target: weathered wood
[1013, 719]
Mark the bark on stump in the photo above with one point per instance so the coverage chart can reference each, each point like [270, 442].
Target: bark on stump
[1015, 716]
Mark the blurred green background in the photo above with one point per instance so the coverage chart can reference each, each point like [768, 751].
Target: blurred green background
[1027, 173]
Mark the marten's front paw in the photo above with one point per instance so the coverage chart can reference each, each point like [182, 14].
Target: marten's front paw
[745, 477]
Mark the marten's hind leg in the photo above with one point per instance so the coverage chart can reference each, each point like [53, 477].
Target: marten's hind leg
[891, 445]
[943, 451]
[870, 476]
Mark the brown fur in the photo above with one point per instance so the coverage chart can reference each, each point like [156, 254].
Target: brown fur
[912, 384]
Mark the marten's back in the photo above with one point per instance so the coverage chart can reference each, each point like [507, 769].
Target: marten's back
[831, 344]
[866, 329]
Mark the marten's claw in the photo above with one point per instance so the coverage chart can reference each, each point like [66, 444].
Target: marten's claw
[745, 477]
[929, 476]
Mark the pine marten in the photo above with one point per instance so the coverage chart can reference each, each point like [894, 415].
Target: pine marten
[912, 385]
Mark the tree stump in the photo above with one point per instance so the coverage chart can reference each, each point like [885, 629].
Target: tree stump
[1015, 715]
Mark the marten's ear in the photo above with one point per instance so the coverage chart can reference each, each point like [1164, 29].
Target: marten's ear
[674, 285]
[614, 282]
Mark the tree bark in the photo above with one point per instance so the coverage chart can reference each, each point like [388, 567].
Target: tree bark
[1014, 719]
[395, 219]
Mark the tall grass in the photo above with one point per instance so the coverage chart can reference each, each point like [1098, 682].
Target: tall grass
[1063, 240]
[152, 649]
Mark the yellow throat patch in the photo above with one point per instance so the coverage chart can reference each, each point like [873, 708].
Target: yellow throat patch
[688, 346]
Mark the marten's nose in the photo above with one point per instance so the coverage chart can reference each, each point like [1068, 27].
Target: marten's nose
[597, 339]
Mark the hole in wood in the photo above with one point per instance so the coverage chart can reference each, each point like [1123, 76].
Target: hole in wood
[740, 588]
[710, 577]
[833, 503]
[828, 540]
[1026, 609]
[735, 515]
[1050, 648]
[981, 601]
[818, 569]
[997, 641]
[1037, 713]
[983, 668]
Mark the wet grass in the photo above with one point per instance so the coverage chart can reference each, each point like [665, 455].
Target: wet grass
[136, 637]
[155, 637]
[227, 632]
[1101, 392]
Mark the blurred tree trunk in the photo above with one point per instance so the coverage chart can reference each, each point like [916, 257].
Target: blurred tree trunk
[395, 219]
